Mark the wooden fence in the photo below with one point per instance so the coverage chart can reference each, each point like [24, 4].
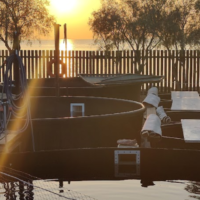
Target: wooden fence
[180, 69]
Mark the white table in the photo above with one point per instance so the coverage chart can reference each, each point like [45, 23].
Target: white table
[186, 104]
[191, 130]
[183, 94]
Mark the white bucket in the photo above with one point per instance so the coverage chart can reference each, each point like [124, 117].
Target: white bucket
[152, 100]
[152, 126]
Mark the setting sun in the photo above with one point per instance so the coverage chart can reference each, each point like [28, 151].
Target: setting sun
[65, 6]
[62, 45]
[75, 13]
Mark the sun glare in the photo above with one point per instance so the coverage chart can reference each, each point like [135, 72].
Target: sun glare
[63, 6]
[69, 45]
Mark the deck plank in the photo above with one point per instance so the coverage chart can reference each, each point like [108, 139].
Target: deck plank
[183, 94]
[186, 104]
[191, 130]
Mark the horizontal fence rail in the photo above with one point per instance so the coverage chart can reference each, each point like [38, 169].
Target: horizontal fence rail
[180, 69]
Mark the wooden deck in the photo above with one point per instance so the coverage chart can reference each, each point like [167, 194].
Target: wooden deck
[184, 94]
[191, 130]
[186, 104]
[185, 101]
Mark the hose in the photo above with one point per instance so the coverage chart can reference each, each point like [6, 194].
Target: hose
[21, 96]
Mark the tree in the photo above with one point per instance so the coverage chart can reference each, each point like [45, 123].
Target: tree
[180, 25]
[146, 24]
[106, 25]
[130, 22]
[22, 19]
[142, 22]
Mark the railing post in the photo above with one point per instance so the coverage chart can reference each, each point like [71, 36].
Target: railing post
[56, 56]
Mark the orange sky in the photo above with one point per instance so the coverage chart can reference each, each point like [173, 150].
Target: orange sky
[75, 13]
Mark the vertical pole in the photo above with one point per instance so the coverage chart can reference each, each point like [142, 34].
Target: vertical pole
[65, 39]
[21, 190]
[65, 36]
[4, 122]
[61, 185]
[6, 36]
[56, 56]
[16, 48]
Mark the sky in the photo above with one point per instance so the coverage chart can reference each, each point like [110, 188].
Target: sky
[75, 13]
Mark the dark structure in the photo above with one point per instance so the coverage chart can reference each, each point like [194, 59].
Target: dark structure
[80, 122]
[126, 86]
[146, 164]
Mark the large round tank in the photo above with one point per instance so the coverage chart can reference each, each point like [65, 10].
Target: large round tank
[78, 122]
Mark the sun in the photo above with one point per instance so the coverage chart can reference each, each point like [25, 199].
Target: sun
[62, 45]
[63, 6]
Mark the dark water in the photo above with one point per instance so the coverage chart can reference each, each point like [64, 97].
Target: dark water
[86, 44]
[104, 190]
[131, 189]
